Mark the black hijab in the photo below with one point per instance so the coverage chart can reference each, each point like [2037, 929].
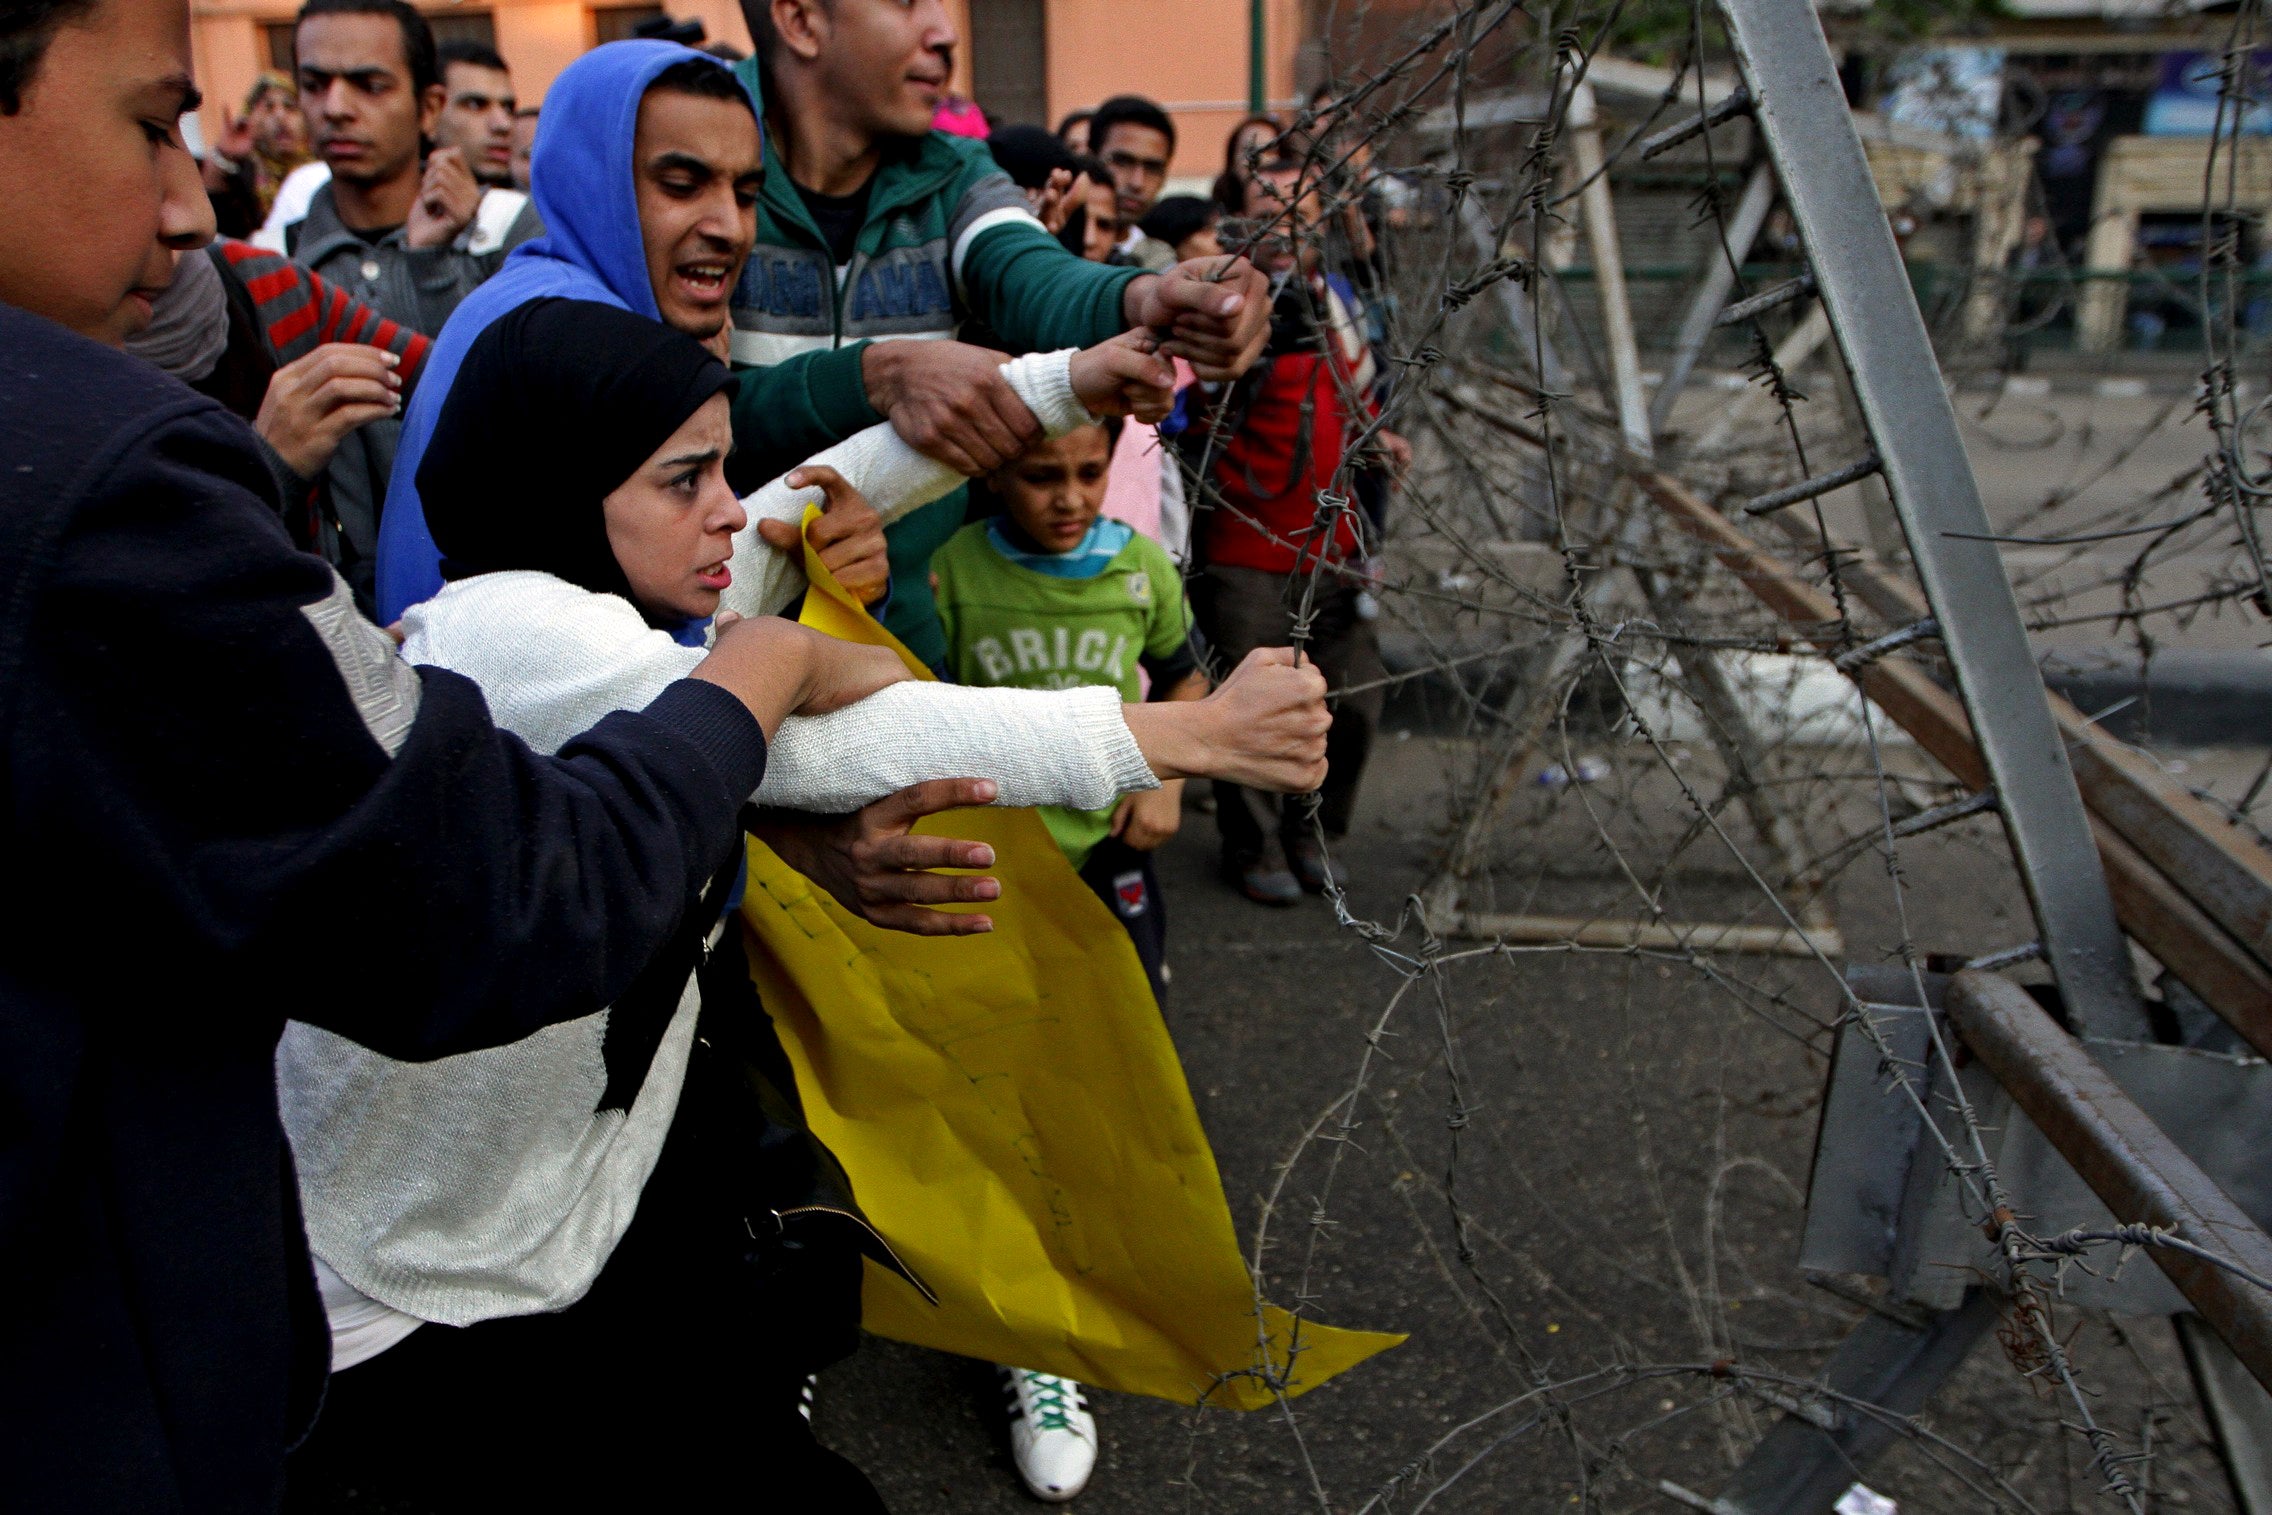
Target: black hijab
[556, 404]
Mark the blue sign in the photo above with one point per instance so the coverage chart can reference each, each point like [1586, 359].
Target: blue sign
[2186, 100]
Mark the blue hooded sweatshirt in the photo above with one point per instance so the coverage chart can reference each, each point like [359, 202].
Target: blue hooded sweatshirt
[581, 177]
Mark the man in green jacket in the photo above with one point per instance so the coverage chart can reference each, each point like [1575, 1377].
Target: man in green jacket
[872, 226]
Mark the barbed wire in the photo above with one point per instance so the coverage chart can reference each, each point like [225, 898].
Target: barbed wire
[1560, 624]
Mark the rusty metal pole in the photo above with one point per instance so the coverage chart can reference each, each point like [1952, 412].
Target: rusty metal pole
[2140, 1173]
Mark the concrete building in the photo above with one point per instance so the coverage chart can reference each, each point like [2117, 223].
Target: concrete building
[1024, 60]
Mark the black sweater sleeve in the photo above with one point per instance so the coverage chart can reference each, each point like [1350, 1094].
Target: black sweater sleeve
[210, 742]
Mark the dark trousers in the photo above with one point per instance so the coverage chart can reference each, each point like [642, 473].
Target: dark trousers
[1240, 609]
[1122, 877]
[672, 1385]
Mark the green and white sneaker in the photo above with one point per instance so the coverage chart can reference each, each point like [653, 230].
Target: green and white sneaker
[1052, 1435]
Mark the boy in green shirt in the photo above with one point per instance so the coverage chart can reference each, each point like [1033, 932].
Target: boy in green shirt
[1050, 595]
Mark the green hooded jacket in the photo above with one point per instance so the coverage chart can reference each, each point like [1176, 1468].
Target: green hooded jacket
[948, 240]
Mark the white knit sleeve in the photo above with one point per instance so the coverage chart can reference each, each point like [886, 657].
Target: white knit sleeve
[1042, 747]
[551, 659]
[894, 477]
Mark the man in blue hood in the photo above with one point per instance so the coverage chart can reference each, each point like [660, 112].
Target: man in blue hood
[663, 238]
[646, 174]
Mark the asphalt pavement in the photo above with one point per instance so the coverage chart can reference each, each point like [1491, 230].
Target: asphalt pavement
[1633, 1144]
[1604, 1203]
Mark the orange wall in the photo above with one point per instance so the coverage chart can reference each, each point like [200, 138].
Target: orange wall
[227, 51]
[1195, 61]
[538, 41]
[539, 38]
[1192, 59]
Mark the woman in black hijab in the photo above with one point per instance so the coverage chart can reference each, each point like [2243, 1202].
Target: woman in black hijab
[575, 1289]
[603, 1262]
[559, 406]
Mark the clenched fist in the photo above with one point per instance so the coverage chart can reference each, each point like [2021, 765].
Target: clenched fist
[1212, 312]
[1264, 728]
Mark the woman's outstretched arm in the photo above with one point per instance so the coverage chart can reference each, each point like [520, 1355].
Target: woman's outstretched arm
[1263, 728]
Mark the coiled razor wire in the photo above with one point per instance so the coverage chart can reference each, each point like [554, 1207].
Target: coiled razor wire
[1510, 568]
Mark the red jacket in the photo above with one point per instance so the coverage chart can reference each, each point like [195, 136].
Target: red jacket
[1295, 417]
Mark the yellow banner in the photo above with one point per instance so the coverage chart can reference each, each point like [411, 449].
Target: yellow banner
[1014, 1120]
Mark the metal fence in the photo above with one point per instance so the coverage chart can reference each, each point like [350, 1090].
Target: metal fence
[1739, 709]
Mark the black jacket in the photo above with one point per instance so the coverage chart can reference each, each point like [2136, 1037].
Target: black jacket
[225, 804]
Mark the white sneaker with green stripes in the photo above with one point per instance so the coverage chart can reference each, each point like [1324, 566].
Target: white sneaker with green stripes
[1052, 1434]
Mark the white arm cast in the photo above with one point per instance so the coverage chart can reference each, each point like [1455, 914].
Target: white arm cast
[895, 478]
[1040, 746]
[553, 659]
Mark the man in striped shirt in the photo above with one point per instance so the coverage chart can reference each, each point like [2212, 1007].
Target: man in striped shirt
[311, 368]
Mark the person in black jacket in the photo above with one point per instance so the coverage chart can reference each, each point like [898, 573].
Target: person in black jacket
[228, 803]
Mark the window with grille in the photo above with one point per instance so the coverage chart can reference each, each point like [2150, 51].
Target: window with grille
[1009, 53]
[454, 25]
[282, 55]
[616, 23]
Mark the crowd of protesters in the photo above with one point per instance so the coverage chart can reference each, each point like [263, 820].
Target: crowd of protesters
[398, 508]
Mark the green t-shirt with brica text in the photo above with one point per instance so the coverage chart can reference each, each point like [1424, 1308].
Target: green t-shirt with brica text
[1011, 625]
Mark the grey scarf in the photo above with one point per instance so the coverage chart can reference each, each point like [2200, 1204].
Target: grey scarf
[189, 325]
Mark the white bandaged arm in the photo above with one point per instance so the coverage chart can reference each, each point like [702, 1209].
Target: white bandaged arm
[892, 475]
[553, 659]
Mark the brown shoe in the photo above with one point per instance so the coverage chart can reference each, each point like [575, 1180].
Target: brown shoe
[1262, 882]
[1310, 865]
